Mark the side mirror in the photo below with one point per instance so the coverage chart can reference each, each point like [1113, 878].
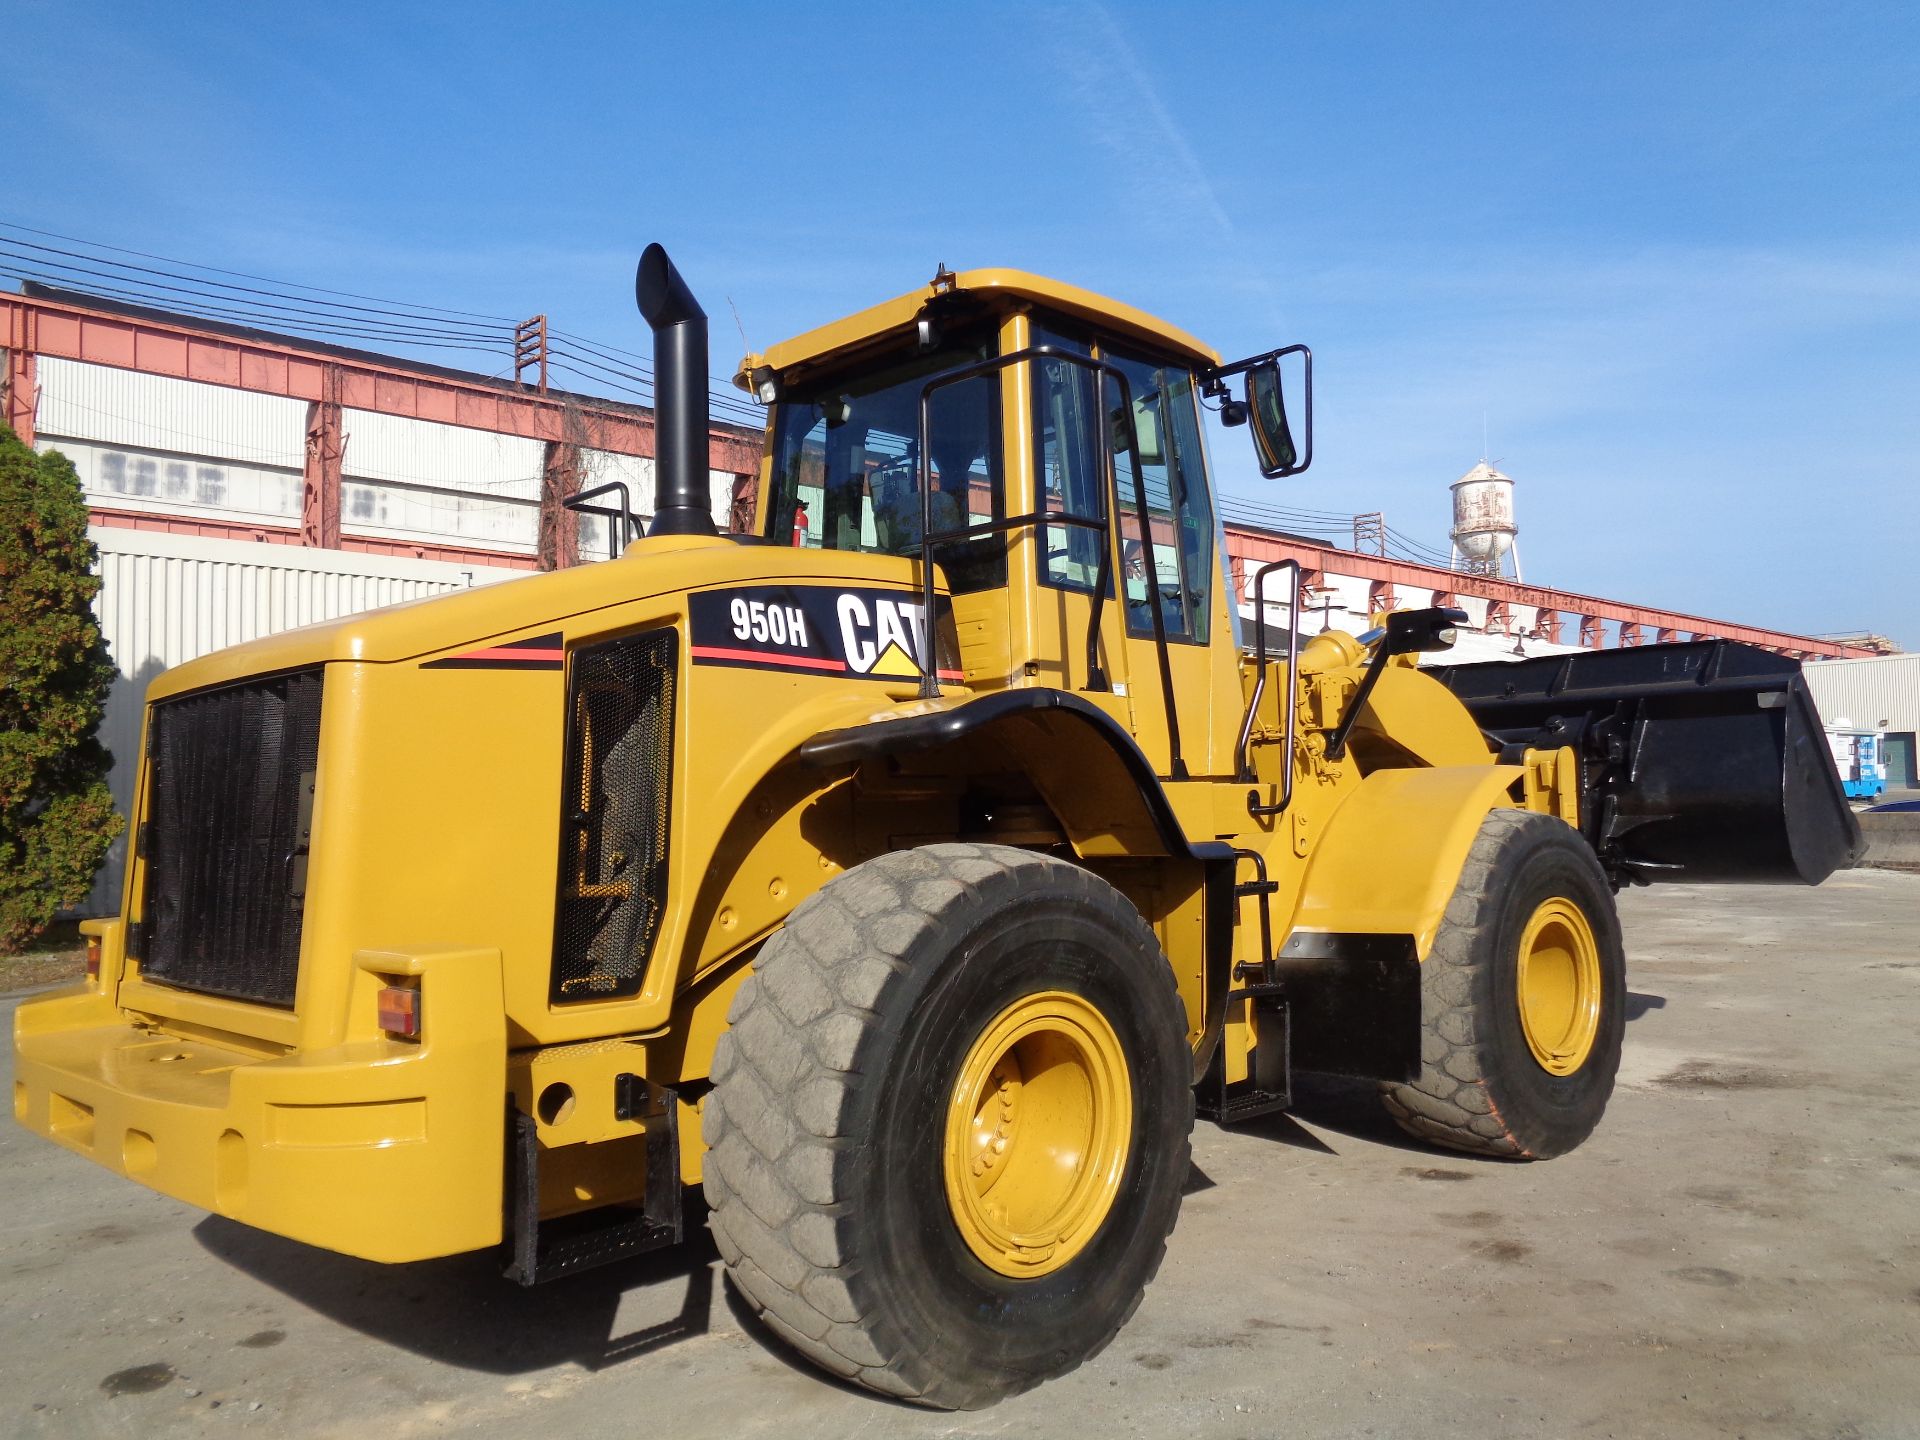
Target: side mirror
[1272, 435]
[1264, 409]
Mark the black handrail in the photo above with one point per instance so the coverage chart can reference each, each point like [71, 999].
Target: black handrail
[1288, 702]
[624, 514]
[1096, 679]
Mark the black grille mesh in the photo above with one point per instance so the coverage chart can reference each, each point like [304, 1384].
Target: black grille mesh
[228, 827]
[613, 821]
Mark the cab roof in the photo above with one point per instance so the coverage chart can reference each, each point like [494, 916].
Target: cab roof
[899, 313]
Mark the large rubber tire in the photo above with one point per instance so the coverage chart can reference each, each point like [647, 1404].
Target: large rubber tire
[825, 1127]
[1481, 1088]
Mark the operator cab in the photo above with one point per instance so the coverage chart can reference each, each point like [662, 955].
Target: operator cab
[1050, 443]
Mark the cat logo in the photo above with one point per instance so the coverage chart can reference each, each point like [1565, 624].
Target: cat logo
[883, 641]
[864, 633]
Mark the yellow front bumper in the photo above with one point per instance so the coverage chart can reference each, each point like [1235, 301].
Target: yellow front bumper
[387, 1149]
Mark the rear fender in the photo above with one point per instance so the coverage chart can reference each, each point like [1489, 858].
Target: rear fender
[1389, 859]
[1098, 784]
[1087, 768]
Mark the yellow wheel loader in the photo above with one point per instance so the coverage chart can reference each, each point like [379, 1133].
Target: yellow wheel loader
[906, 874]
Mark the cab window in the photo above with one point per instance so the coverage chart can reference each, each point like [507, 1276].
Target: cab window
[1177, 536]
[846, 463]
[1069, 474]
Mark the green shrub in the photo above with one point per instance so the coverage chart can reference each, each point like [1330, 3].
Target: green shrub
[56, 817]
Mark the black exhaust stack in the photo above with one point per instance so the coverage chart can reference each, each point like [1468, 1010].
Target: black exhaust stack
[683, 497]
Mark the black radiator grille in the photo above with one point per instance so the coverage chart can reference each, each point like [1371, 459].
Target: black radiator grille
[613, 817]
[227, 833]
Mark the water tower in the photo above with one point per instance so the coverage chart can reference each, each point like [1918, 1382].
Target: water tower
[1484, 535]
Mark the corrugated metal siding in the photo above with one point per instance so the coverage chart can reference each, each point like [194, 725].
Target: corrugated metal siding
[425, 452]
[1882, 693]
[392, 512]
[155, 412]
[501, 471]
[126, 478]
[167, 599]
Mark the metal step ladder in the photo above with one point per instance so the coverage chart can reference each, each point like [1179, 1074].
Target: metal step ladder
[1268, 1086]
[539, 1250]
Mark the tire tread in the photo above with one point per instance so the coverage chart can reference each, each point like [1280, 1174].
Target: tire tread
[784, 1080]
[1451, 1103]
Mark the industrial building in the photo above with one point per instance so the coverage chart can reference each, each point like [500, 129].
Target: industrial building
[242, 482]
[1878, 694]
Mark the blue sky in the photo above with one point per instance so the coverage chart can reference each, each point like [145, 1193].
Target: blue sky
[1670, 254]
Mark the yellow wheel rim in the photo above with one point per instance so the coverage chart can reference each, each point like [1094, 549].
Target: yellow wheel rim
[1039, 1124]
[1559, 986]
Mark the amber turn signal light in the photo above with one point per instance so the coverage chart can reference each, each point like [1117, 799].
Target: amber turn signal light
[93, 957]
[400, 1012]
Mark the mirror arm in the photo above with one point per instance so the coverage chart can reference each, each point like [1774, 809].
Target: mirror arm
[1337, 745]
[1406, 631]
[1214, 378]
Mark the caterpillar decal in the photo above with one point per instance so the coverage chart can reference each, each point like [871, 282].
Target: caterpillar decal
[861, 631]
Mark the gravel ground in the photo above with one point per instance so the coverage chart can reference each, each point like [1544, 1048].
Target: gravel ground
[1735, 1253]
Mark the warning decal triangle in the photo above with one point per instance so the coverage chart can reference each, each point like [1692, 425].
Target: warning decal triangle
[894, 661]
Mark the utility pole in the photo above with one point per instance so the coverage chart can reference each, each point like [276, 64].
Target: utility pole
[530, 350]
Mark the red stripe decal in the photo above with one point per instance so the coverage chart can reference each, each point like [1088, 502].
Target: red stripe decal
[768, 657]
[514, 652]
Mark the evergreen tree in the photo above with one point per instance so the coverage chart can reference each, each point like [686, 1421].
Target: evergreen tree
[56, 816]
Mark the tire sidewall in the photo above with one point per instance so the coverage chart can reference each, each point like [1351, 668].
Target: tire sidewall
[928, 1283]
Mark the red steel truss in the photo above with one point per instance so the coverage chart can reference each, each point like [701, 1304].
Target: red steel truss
[1248, 549]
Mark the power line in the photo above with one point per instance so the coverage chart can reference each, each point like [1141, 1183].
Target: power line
[643, 387]
[296, 314]
[185, 286]
[1331, 526]
[208, 310]
[720, 386]
[297, 304]
[240, 274]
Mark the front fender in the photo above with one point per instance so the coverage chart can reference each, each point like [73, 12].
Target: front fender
[1389, 859]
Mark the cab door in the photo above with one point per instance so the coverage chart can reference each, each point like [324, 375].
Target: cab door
[1170, 567]
[1065, 563]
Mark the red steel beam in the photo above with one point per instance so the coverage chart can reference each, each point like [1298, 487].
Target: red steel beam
[1250, 547]
[560, 527]
[18, 378]
[320, 476]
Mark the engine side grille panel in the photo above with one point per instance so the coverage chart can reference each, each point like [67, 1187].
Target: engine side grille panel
[613, 818]
[228, 830]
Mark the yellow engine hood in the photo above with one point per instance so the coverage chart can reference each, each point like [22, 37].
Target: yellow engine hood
[654, 566]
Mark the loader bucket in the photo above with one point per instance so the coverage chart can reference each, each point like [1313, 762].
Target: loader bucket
[1699, 762]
